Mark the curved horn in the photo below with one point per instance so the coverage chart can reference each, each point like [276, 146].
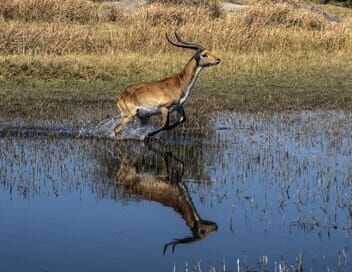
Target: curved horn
[200, 47]
[184, 45]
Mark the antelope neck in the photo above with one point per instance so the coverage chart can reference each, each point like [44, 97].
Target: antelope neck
[188, 211]
[187, 78]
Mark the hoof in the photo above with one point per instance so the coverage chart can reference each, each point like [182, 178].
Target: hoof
[117, 129]
[116, 134]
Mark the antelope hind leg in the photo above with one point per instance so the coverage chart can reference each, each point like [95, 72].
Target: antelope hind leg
[122, 124]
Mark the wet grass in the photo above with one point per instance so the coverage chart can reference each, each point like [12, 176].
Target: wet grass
[54, 87]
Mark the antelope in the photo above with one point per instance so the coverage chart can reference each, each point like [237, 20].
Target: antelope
[159, 178]
[167, 95]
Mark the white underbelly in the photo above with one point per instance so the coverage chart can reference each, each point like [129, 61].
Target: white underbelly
[146, 111]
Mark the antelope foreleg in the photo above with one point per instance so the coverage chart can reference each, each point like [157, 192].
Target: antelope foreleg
[181, 112]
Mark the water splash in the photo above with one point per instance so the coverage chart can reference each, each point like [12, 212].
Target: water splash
[105, 129]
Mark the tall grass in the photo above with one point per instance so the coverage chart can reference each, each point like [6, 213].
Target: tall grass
[74, 27]
[81, 11]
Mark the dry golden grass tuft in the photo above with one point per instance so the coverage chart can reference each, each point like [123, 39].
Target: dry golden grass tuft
[111, 12]
[82, 11]
[283, 15]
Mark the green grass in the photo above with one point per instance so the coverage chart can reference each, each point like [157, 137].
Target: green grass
[247, 82]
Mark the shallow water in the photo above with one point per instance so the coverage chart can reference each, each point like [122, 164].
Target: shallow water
[255, 192]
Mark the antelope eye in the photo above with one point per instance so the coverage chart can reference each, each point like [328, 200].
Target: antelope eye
[204, 55]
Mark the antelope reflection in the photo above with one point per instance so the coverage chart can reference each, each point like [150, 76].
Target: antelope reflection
[157, 176]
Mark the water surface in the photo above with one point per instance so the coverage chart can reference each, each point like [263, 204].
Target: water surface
[254, 192]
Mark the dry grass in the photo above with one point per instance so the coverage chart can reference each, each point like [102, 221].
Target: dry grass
[279, 27]
[81, 11]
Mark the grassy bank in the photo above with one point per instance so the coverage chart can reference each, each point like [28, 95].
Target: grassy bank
[274, 56]
[246, 82]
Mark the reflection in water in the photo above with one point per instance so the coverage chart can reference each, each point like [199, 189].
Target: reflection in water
[125, 171]
[278, 187]
[156, 175]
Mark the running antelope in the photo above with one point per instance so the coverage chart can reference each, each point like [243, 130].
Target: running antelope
[165, 96]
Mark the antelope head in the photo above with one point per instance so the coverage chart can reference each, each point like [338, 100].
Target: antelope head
[199, 231]
[203, 57]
